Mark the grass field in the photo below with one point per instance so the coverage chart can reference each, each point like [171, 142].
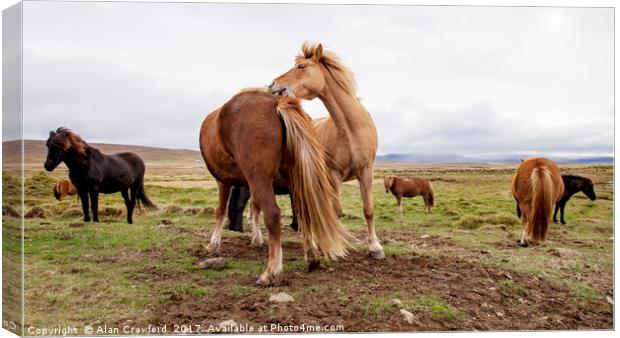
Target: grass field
[458, 268]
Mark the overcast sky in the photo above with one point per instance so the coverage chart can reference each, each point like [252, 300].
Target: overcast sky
[472, 81]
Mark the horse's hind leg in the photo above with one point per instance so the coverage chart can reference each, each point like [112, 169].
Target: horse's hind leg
[265, 201]
[525, 212]
[257, 236]
[365, 180]
[128, 205]
[223, 194]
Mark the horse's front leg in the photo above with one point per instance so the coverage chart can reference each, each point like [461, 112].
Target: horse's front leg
[365, 181]
[223, 194]
[336, 182]
[84, 198]
[399, 203]
[94, 203]
[562, 213]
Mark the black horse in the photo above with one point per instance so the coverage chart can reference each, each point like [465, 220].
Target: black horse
[572, 185]
[239, 197]
[93, 172]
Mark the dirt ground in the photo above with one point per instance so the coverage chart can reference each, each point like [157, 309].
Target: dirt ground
[470, 287]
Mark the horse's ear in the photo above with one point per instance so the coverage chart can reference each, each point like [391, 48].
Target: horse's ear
[318, 53]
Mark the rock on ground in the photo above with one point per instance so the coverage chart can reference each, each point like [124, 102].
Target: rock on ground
[227, 324]
[217, 263]
[565, 253]
[396, 302]
[281, 297]
[407, 316]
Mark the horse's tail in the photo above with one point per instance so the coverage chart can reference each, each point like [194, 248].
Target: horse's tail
[312, 193]
[141, 197]
[431, 195]
[542, 203]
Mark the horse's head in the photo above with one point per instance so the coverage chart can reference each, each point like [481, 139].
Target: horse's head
[588, 189]
[308, 77]
[59, 144]
[388, 181]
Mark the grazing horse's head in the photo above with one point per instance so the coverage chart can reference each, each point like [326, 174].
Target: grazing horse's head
[314, 70]
[388, 181]
[59, 144]
[588, 189]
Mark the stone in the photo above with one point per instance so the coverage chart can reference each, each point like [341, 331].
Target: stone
[217, 263]
[610, 300]
[407, 316]
[499, 314]
[227, 325]
[425, 236]
[565, 253]
[396, 302]
[281, 297]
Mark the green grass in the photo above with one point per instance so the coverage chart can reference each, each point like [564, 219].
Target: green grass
[436, 308]
[80, 273]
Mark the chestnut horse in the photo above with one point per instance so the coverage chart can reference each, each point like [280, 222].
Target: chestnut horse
[63, 188]
[537, 187]
[402, 187]
[248, 141]
[348, 134]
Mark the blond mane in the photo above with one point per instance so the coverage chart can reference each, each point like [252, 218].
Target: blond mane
[340, 73]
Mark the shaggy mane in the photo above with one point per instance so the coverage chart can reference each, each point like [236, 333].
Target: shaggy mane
[67, 140]
[340, 73]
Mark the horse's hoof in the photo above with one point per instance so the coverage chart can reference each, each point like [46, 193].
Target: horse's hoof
[264, 281]
[256, 243]
[524, 244]
[377, 254]
[313, 265]
[212, 247]
[563, 223]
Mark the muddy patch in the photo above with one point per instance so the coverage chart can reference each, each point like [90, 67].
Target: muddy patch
[443, 293]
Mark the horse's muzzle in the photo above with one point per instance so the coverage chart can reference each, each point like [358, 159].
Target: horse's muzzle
[277, 89]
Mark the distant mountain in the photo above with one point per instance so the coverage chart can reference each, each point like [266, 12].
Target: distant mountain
[35, 153]
[453, 158]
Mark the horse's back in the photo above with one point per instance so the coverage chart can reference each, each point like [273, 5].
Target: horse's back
[521, 183]
[247, 128]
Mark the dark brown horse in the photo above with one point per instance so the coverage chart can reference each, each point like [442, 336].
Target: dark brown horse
[248, 141]
[93, 172]
[572, 185]
[536, 187]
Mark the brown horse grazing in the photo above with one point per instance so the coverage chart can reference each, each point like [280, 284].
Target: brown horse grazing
[63, 188]
[248, 141]
[537, 187]
[348, 134]
[402, 187]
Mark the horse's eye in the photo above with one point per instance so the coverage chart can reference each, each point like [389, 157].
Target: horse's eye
[301, 66]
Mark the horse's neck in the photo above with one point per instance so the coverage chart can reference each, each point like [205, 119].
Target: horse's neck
[77, 162]
[348, 114]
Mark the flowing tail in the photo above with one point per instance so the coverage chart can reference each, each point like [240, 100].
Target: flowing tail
[141, 195]
[542, 204]
[313, 195]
